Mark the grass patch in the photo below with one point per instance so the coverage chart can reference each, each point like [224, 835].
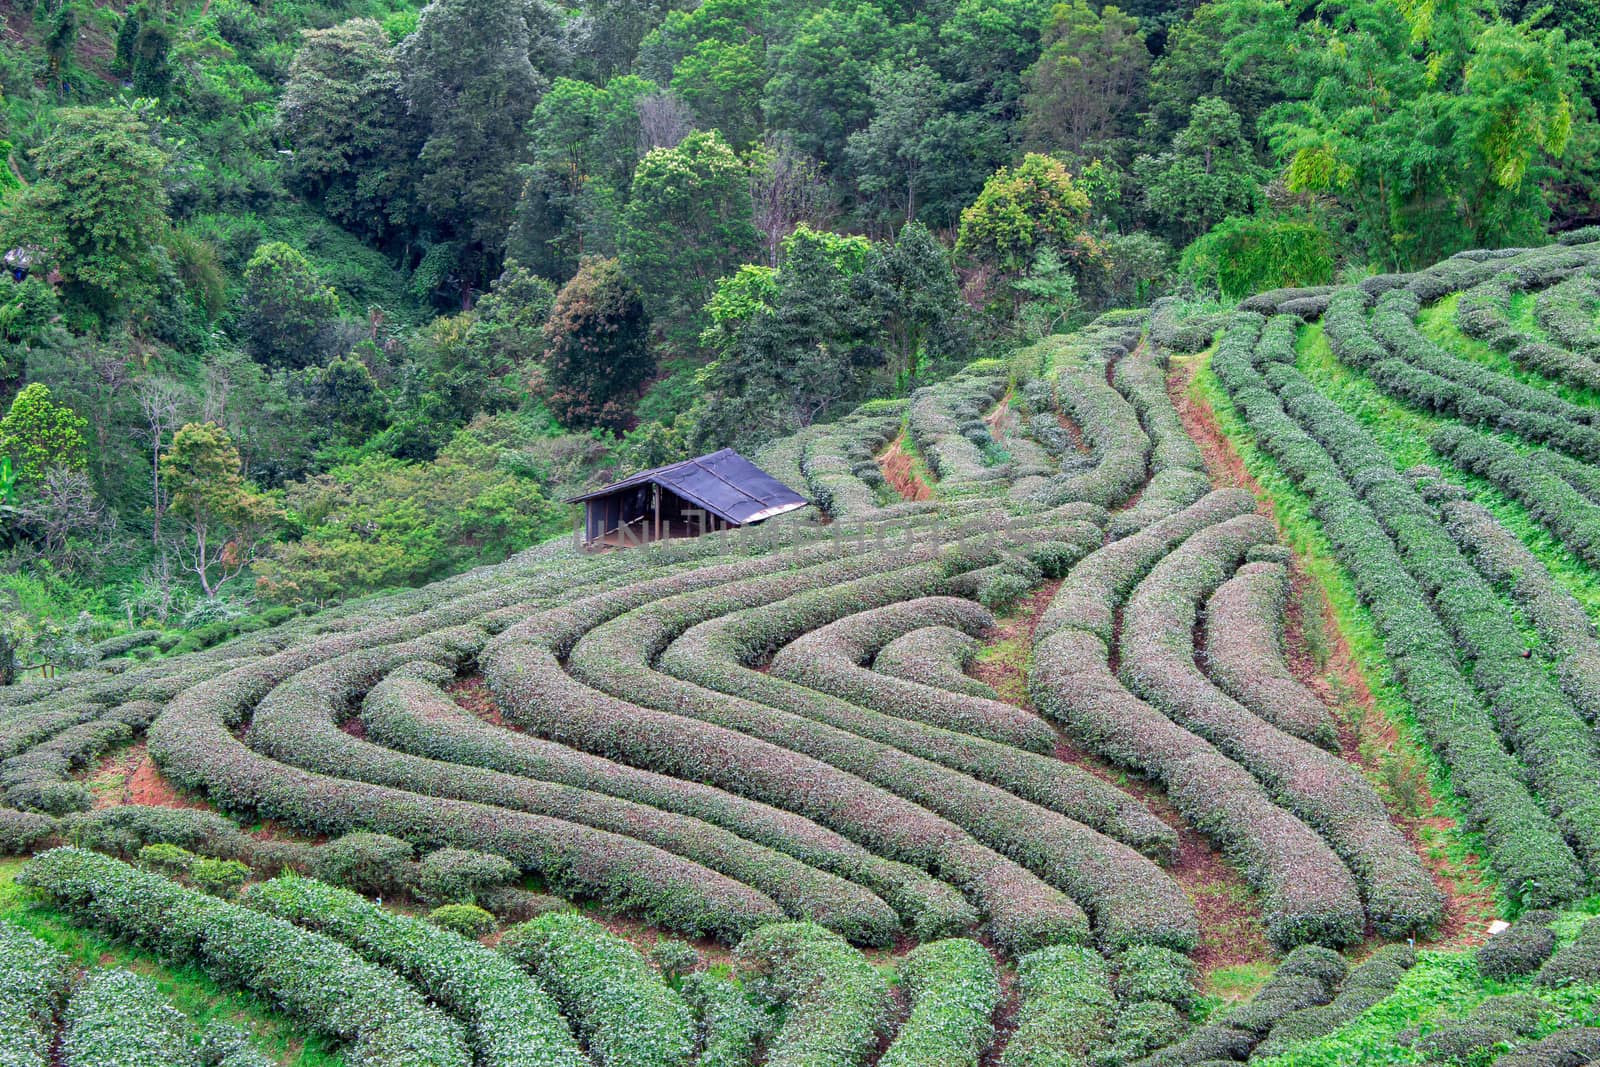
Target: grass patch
[1456, 849]
[189, 988]
[1442, 985]
[1226, 986]
[1437, 322]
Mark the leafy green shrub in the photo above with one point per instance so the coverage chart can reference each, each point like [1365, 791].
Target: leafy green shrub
[1519, 949]
[1241, 256]
[674, 958]
[169, 860]
[624, 1010]
[1575, 964]
[1150, 972]
[22, 831]
[731, 1022]
[833, 999]
[324, 986]
[468, 920]
[124, 830]
[365, 862]
[458, 876]
[1002, 591]
[220, 878]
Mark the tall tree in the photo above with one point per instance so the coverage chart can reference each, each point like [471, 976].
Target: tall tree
[1209, 173]
[597, 348]
[469, 72]
[345, 120]
[911, 283]
[688, 223]
[229, 524]
[286, 309]
[39, 434]
[1424, 120]
[1087, 84]
[98, 209]
[1021, 210]
[818, 92]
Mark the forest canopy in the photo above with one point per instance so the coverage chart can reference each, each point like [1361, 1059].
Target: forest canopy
[310, 299]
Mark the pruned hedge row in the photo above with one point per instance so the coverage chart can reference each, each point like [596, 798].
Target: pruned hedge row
[411, 715]
[1536, 719]
[1570, 517]
[34, 979]
[1567, 312]
[947, 422]
[1244, 653]
[730, 1023]
[1416, 371]
[1325, 792]
[22, 831]
[534, 691]
[834, 1002]
[510, 1019]
[1561, 622]
[1173, 330]
[1130, 899]
[625, 1012]
[1522, 841]
[1484, 313]
[953, 989]
[933, 655]
[839, 465]
[1066, 1008]
[1372, 981]
[120, 1018]
[1519, 949]
[1094, 589]
[1576, 963]
[296, 724]
[1306, 978]
[830, 659]
[42, 778]
[320, 983]
[1178, 471]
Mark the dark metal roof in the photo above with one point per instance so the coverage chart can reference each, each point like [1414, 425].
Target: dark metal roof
[724, 483]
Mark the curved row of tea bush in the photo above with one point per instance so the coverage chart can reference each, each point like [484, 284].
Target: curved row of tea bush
[1119, 454]
[1130, 900]
[510, 1019]
[947, 422]
[1066, 1008]
[1244, 653]
[1536, 719]
[43, 778]
[839, 463]
[1567, 311]
[1306, 978]
[1177, 469]
[1561, 622]
[834, 1002]
[320, 983]
[195, 748]
[1327, 793]
[1573, 520]
[625, 1012]
[731, 1024]
[34, 979]
[953, 991]
[535, 693]
[295, 723]
[1366, 986]
[830, 657]
[410, 714]
[1484, 313]
[933, 655]
[1523, 843]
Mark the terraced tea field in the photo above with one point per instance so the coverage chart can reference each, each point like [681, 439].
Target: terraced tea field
[1185, 690]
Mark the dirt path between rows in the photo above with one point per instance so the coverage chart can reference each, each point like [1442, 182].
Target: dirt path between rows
[1365, 734]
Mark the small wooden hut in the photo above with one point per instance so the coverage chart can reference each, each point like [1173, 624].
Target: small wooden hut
[718, 491]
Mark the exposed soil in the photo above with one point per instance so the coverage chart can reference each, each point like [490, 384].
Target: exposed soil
[1364, 731]
[472, 693]
[130, 776]
[900, 472]
[1231, 928]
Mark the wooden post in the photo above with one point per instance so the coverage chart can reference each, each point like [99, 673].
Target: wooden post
[658, 512]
